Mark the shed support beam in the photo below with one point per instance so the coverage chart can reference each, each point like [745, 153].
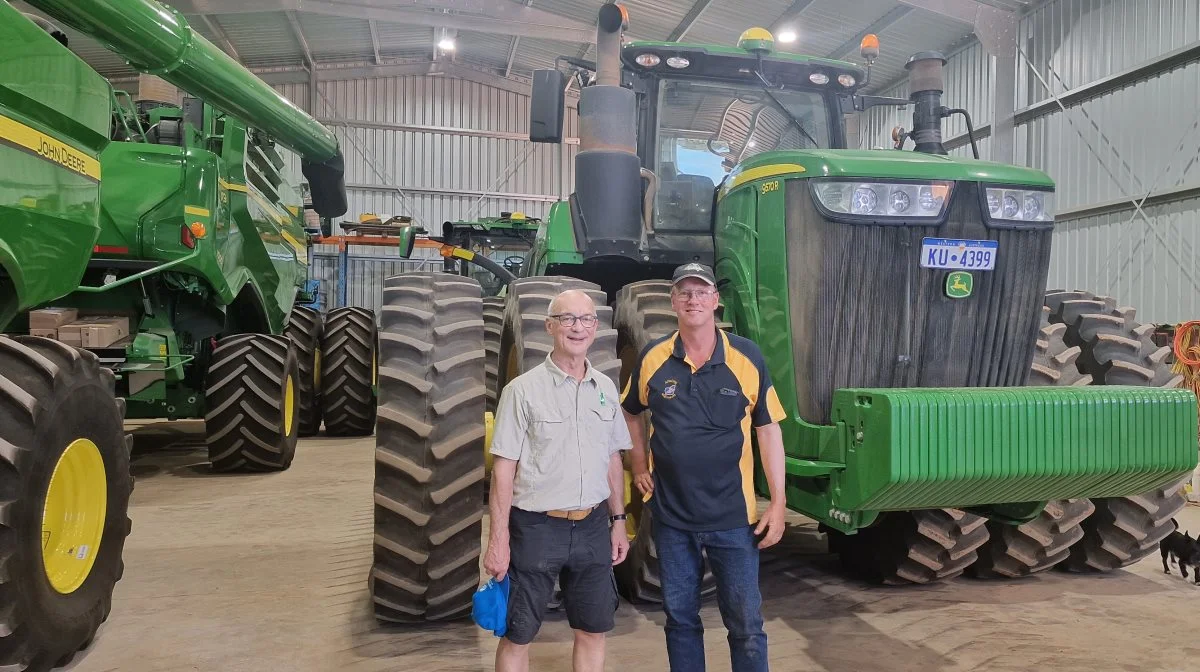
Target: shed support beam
[219, 32]
[789, 14]
[851, 45]
[689, 20]
[374, 41]
[501, 17]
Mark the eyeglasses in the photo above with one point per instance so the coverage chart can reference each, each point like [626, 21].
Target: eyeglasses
[689, 294]
[568, 320]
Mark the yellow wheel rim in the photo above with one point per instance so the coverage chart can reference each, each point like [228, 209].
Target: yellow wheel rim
[73, 516]
[316, 370]
[374, 370]
[489, 425]
[289, 406]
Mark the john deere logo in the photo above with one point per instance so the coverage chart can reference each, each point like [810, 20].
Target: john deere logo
[959, 284]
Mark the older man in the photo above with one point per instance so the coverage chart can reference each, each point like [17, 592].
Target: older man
[705, 389]
[557, 490]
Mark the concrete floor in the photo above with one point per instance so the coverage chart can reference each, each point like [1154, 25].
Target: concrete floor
[269, 572]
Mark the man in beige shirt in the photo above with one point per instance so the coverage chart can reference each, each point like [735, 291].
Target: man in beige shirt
[558, 492]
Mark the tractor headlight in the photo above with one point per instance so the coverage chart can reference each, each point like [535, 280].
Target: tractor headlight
[902, 201]
[1019, 205]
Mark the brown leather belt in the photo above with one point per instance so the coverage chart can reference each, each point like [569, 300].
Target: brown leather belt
[579, 514]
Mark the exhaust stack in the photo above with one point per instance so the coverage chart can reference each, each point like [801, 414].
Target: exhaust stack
[608, 181]
[925, 85]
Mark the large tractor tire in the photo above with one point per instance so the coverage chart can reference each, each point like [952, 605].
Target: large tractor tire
[644, 313]
[250, 392]
[349, 369]
[524, 342]
[1117, 350]
[493, 326]
[906, 547]
[429, 449]
[1014, 551]
[304, 327]
[66, 485]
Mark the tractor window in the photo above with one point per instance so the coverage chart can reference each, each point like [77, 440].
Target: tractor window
[706, 128]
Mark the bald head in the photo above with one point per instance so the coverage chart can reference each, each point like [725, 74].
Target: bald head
[571, 341]
[573, 301]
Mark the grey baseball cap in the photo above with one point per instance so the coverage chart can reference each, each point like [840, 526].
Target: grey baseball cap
[694, 270]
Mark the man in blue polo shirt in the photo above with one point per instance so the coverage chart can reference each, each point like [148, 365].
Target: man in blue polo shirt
[705, 389]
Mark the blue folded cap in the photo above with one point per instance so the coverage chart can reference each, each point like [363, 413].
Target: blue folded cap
[490, 606]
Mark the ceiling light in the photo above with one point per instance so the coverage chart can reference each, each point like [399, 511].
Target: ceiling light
[446, 44]
[787, 36]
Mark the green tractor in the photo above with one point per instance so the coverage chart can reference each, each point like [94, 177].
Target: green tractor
[946, 414]
[171, 230]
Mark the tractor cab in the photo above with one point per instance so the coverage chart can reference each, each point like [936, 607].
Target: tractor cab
[699, 112]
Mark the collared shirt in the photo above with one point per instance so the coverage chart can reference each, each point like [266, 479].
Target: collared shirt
[703, 462]
[562, 432]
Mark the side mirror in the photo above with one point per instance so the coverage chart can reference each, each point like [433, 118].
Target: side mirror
[408, 239]
[547, 106]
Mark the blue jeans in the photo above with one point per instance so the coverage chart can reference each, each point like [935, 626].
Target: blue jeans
[733, 556]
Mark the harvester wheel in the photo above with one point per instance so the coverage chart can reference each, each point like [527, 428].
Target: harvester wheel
[1117, 350]
[1014, 551]
[250, 392]
[349, 369]
[67, 483]
[493, 326]
[304, 327]
[904, 547]
[429, 466]
[644, 313]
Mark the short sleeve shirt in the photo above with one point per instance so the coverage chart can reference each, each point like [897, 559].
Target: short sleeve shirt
[562, 434]
[703, 463]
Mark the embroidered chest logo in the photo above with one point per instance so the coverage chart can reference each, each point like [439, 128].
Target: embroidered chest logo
[669, 389]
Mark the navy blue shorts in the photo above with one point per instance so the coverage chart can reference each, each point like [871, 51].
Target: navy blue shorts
[578, 554]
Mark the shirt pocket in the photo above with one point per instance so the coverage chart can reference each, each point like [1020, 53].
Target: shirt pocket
[549, 434]
[726, 407]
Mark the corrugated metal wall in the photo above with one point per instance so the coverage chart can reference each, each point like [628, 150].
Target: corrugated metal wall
[438, 149]
[1143, 138]
[433, 148]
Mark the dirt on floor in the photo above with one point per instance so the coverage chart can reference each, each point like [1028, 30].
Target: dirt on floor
[269, 572]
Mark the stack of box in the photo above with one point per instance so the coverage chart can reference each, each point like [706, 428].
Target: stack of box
[86, 332]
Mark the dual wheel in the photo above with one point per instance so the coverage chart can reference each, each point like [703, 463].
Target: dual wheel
[1083, 339]
[263, 392]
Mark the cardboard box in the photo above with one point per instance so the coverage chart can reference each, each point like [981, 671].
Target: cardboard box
[44, 333]
[72, 334]
[157, 89]
[105, 332]
[51, 318]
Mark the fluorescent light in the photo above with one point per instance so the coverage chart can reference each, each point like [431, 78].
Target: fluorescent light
[446, 44]
[787, 36]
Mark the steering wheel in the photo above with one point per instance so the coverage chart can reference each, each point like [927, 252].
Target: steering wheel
[513, 263]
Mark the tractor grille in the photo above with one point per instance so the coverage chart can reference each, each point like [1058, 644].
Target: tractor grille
[865, 314]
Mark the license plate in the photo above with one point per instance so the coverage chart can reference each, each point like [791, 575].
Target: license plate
[967, 255]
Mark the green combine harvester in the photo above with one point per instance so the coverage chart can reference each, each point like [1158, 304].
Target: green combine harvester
[158, 249]
[946, 414]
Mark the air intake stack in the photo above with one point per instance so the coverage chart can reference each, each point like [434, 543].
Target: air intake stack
[925, 86]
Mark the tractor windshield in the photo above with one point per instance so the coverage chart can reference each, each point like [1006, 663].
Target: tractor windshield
[706, 128]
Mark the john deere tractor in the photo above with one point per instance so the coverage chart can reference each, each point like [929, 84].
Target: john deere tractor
[946, 414]
[155, 245]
